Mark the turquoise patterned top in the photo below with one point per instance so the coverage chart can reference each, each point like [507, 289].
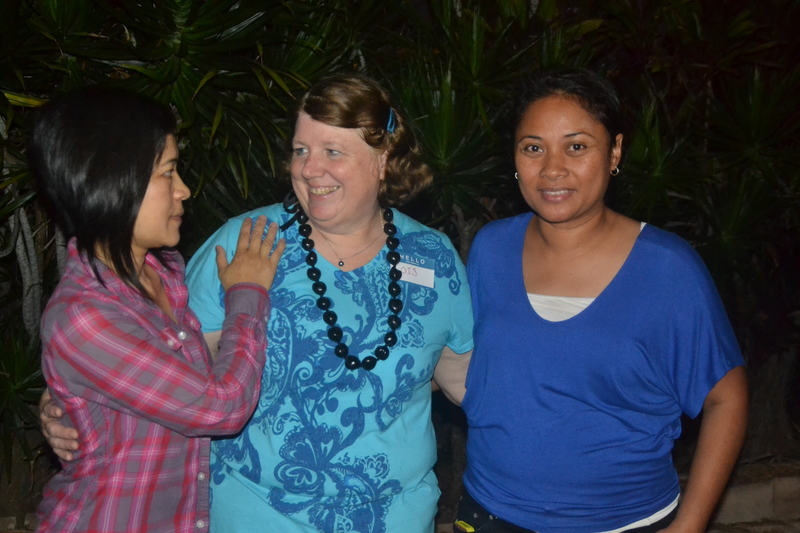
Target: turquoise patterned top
[328, 449]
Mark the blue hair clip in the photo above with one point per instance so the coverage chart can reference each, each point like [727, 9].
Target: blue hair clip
[391, 124]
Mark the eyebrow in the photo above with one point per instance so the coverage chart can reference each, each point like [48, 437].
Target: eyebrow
[568, 135]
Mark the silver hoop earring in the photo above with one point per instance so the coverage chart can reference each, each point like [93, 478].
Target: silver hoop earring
[516, 176]
[615, 171]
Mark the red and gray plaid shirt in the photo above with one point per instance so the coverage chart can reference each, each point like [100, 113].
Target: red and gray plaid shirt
[144, 395]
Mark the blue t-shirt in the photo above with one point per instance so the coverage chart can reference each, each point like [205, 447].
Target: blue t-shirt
[330, 449]
[571, 423]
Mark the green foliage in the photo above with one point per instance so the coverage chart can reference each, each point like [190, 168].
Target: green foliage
[21, 384]
[711, 94]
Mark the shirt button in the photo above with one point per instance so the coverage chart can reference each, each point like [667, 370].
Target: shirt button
[171, 344]
[182, 335]
[201, 476]
[200, 524]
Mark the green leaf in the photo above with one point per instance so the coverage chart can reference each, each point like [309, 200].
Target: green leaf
[23, 100]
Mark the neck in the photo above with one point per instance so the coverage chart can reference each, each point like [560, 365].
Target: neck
[139, 264]
[575, 235]
[359, 232]
[354, 249]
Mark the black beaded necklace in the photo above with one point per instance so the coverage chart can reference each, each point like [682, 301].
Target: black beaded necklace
[351, 362]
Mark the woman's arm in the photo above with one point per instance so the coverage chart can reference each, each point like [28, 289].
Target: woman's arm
[721, 435]
[109, 357]
[450, 374]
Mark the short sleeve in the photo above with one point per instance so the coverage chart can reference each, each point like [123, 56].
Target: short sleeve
[462, 319]
[702, 344]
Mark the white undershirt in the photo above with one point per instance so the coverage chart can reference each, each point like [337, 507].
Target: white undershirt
[558, 309]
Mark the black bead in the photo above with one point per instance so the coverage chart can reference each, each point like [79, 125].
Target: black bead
[395, 305]
[390, 339]
[319, 287]
[394, 289]
[290, 203]
[341, 350]
[382, 353]
[329, 317]
[335, 334]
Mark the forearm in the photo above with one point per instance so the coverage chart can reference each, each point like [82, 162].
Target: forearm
[109, 359]
[720, 440]
[450, 374]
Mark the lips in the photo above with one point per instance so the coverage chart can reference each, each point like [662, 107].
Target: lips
[555, 195]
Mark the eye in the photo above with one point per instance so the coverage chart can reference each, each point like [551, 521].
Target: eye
[332, 152]
[297, 152]
[577, 147]
[532, 149]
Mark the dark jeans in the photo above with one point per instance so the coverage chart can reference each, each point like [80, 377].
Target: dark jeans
[473, 517]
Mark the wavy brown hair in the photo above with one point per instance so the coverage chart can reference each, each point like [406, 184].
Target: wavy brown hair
[358, 102]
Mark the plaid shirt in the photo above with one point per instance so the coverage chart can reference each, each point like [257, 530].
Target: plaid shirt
[144, 395]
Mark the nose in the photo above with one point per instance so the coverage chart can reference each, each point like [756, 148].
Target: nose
[553, 166]
[180, 190]
[311, 167]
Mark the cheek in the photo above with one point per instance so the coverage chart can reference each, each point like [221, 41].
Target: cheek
[295, 167]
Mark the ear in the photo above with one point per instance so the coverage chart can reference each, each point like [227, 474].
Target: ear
[616, 151]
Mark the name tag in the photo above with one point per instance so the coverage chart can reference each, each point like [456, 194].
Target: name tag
[418, 271]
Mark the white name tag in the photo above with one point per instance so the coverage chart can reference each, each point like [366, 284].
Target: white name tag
[418, 271]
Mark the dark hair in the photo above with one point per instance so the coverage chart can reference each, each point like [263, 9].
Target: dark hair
[92, 154]
[587, 88]
[356, 101]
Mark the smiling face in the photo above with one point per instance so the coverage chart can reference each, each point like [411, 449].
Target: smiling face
[564, 157]
[335, 175]
[159, 219]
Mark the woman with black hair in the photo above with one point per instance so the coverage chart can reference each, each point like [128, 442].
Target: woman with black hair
[123, 355]
[593, 334]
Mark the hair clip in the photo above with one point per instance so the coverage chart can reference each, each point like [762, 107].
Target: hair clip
[391, 124]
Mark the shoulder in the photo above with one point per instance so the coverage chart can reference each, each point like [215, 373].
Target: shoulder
[499, 232]
[666, 247]
[408, 225]
[504, 227]
[419, 234]
[668, 257]
[230, 229]
[227, 235]
[80, 310]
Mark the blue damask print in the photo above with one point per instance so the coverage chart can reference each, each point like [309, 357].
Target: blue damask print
[318, 409]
